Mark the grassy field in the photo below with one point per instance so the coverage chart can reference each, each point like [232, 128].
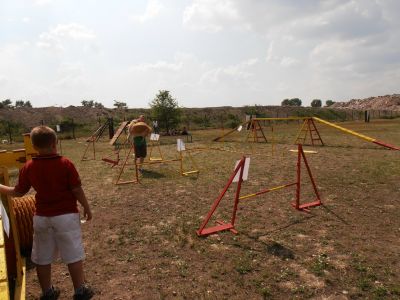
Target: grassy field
[141, 243]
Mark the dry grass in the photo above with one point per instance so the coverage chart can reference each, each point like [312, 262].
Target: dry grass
[142, 242]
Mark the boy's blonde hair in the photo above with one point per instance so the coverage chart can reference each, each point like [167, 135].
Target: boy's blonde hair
[43, 137]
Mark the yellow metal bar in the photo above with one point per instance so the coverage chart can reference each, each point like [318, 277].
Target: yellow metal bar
[265, 191]
[20, 293]
[229, 132]
[361, 136]
[305, 151]
[157, 162]
[190, 172]
[281, 119]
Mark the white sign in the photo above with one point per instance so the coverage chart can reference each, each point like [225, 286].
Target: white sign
[154, 137]
[240, 128]
[58, 128]
[6, 221]
[245, 171]
[180, 145]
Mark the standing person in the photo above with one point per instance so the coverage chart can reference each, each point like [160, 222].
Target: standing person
[139, 130]
[56, 223]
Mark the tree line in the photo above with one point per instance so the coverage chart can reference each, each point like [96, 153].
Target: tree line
[18, 103]
[314, 103]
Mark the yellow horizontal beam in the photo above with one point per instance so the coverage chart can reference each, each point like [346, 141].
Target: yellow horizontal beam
[13, 159]
[361, 136]
[281, 119]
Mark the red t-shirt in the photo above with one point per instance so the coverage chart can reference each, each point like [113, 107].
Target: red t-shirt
[53, 177]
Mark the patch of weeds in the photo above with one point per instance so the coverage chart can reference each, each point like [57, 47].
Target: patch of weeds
[182, 240]
[183, 268]
[395, 290]
[380, 292]
[130, 257]
[320, 264]
[262, 289]
[243, 266]
[167, 253]
[364, 284]
[217, 271]
[285, 274]
[301, 289]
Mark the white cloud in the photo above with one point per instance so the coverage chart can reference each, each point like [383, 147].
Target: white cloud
[42, 2]
[289, 62]
[57, 37]
[157, 66]
[212, 15]
[153, 9]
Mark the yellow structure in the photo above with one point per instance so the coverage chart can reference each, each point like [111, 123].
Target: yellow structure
[12, 264]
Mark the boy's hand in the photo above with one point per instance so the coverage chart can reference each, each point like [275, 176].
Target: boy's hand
[87, 214]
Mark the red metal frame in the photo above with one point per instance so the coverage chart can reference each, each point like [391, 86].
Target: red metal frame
[224, 226]
[386, 145]
[202, 231]
[317, 202]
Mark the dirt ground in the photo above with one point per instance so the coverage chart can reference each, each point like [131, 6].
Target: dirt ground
[142, 242]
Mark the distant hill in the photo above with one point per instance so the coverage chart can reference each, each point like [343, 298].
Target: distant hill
[388, 102]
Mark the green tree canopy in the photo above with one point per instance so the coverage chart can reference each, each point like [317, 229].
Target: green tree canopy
[120, 105]
[5, 103]
[87, 103]
[316, 103]
[291, 102]
[165, 110]
[329, 103]
[22, 103]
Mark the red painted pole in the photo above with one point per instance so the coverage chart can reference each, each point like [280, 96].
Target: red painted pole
[299, 150]
[310, 174]
[237, 195]
[218, 200]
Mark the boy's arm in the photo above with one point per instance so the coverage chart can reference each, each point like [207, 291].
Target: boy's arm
[80, 196]
[9, 190]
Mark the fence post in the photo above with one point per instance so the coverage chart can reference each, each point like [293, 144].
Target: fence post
[110, 128]
[9, 132]
[73, 129]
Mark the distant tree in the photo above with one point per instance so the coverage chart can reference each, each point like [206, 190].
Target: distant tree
[316, 103]
[233, 120]
[5, 103]
[98, 105]
[165, 110]
[21, 103]
[291, 102]
[87, 103]
[253, 110]
[295, 102]
[329, 103]
[28, 104]
[120, 105]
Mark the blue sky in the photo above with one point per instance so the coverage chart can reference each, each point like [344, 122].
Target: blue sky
[206, 53]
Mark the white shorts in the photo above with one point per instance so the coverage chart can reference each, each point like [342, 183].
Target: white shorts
[58, 234]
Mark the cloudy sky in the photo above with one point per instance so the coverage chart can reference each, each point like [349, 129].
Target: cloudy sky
[205, 52]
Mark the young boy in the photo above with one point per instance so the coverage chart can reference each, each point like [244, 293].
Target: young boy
[56, 223]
